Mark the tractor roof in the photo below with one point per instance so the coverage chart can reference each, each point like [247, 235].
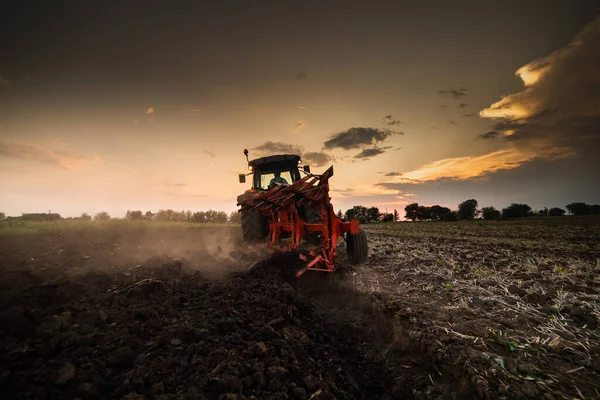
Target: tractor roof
[282, 158]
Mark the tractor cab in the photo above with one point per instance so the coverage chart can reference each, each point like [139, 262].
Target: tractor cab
[271, 170]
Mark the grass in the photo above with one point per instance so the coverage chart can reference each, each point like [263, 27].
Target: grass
[37, 227]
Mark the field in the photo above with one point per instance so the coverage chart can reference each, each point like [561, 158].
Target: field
[497, 310]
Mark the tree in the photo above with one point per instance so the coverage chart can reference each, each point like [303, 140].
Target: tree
[358, 212]
[451, 216]
[543, 212]
[490, 213]
[579, 209]
[396, 215]
[199, 217]
[556, 212]
[221, 217]
[387, 217]
[340, 214]
[134, 215]
[437, 212]
[102, 216]
[235, 217]
[516, 211]
[85, 217]
[411, 211]
[595, 209]
[148, 216]
[423, 213]
[2, 216]
[467, 209]
[373, 214]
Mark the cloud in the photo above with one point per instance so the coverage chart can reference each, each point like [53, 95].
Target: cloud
[299, 126]
[270, 148]
[372, 152]
[149, 110]
[4, 81]
[470, 115]
[451, 122]
[210, 153]
[355, 138]
[300, 76]
[559, 108]
[389, 120]
[444, 106]
[318, 159]
[393, 174]
[463, 105]
[303, 108]
[492, 135]
[457, 93]
[63, 159]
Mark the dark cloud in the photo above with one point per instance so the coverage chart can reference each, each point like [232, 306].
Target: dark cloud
[457, 93]
[300, 76]
[489, 135]
[444, 106]
[470, 115]
[393, 174]
[559, 111]
[318, 159]
[355, 138]
[434, 128]
[451, 122]
[463, 105]
[389, 120]
[299, 126]
[210, 153]
[271, 148]
[372, 152]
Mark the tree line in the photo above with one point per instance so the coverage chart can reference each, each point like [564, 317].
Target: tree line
[467, 210]
[210, 216]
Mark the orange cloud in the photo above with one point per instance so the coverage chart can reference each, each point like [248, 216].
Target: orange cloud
[63, 159]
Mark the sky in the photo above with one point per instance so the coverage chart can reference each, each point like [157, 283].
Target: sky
[110, 106]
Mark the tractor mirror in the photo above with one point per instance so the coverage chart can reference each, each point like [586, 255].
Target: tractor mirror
[242, 178]
[307, 169]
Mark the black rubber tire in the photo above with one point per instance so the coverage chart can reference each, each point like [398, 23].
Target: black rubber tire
[312, 216]
[357, 247]
[255, 227]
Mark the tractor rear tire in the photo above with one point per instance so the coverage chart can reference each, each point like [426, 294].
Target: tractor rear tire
[255, 227]
[357, 248]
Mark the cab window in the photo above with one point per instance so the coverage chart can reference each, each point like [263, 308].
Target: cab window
[265, 178]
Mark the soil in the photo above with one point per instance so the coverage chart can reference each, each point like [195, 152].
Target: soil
[168, 314]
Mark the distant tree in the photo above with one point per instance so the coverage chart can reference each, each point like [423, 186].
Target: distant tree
[411, 211]
[490, 213]
[134, 215]
[396, 215]
[221, 217]
[595, 209]
[148, 216]
[423, 213]
[516, 211]
[41, 217]
[437, 212]
[556, 212]
[358, 212]
[387, 217]
[235, 217]
[340, 214]
[85, 217]
[543, 212]
[211, 216]
[102, 216]
[373, 214]
[164, 215]
[200, 217]
[451, 216]
[467, 209]
[2, 216]
[579, 209]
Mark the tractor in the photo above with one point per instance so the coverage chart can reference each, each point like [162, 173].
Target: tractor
[288, 211]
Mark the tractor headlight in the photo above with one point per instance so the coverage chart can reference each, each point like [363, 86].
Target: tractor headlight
[250, 167]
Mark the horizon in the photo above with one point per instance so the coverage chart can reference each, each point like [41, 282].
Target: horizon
[421, 104]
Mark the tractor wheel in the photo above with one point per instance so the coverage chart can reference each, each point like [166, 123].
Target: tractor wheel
[357, 248]
[312, 216]
[255, 227]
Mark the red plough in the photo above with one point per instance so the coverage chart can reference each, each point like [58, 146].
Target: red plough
[283, 204]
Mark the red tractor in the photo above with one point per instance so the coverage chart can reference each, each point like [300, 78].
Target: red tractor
[283, 204]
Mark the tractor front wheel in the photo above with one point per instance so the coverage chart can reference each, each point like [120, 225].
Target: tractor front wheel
[255, 227]
[357, 248]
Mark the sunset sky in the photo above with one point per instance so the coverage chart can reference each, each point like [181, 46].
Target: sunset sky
[149, 104]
